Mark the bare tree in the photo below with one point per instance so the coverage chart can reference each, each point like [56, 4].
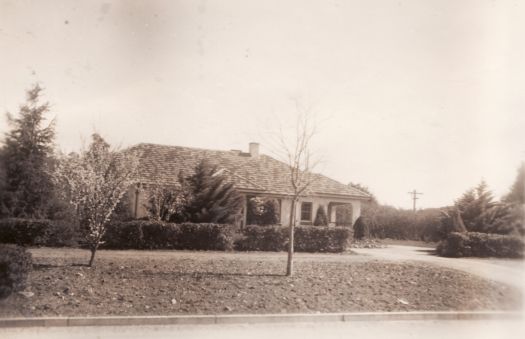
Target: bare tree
[297, 151]
[168, 202]
[93, 182]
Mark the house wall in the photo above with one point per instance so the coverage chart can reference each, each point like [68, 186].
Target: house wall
[286, 204]
[138, 209]
[137, 202]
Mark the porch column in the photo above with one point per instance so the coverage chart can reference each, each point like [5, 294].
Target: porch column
[244, 212]
[286, 205]
[331, 214]
[356, 211]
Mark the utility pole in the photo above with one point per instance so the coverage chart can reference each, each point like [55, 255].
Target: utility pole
[414, 197]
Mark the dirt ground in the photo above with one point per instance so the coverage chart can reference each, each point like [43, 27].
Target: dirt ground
[408, 243]
[181, 282]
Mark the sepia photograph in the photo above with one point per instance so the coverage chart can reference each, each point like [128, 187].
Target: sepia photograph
[262, 168]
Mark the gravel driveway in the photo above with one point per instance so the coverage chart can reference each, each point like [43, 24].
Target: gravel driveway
[508, 271]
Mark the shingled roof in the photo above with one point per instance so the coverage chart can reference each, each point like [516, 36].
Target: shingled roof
[162, 163]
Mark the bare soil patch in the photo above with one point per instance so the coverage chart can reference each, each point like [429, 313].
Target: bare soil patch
[172, 282]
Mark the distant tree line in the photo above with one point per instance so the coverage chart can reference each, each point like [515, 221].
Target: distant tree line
[475, 211]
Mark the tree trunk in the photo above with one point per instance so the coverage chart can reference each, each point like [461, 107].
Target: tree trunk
[92, 259]
[289, 266]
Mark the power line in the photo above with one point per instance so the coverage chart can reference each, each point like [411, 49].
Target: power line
[414, 198]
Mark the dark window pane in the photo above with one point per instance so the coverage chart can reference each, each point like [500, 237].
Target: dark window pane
[306, 211]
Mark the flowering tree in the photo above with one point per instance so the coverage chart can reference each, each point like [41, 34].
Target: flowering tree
[93, 182]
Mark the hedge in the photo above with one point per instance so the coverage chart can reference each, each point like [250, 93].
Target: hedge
[262, 238]
[321, 239]
[37, 232]
[27, 232]
[306, 239]
[474, 244]
[141, 234]
[15, 265]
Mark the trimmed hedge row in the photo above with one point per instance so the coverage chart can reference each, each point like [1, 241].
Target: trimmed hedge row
[141, 234]
[306, 239]
[474, 244]
[160, 235]
[15, 265]
[321, 239]
[27, 232]
[37, 232]
[262, 238]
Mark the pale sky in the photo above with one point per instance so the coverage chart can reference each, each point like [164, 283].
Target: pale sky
[409, 94]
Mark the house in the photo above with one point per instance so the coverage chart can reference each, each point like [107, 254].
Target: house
[252, 173]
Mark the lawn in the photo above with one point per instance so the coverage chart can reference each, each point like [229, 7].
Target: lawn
[184, 282]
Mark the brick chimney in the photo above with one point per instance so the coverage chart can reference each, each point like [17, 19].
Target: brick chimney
[254, 149]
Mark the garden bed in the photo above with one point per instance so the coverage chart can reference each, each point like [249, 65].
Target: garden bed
[183, 282]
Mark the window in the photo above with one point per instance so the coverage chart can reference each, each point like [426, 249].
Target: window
[306, 211]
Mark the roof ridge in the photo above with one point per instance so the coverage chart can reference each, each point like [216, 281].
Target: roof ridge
[177, 146]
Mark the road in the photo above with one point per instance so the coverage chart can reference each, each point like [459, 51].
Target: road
[508, 271]
[449, 329]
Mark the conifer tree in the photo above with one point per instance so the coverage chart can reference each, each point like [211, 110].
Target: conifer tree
[473, 204]
[360, 229]
[213, 199]
[320, 217]
[517, 191]
[27, 188]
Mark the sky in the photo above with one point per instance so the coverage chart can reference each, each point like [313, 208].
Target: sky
[424, 95]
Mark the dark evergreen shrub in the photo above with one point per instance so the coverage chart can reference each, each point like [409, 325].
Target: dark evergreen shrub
[481, 245]
[321, 239]
[159, 235]
[307, 239]
[61, 233]
[455, 245]
[262, 211]
[206, 237]
[360, 229]
[320, 217]
[143, 234]
[270, 216]
[28, 232]
[255, 238]
[124, 235]
[15, 265]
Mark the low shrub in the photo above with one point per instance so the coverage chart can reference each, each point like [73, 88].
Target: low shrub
[206, 237]
[28, 232]
[321, 239]
[306, 239]
[61, 233]
[267, 238]
[124, 235]
[321, 219]
[141, 234]
[361, 229]
[474, 244]
[38, 232]
[15, 265]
